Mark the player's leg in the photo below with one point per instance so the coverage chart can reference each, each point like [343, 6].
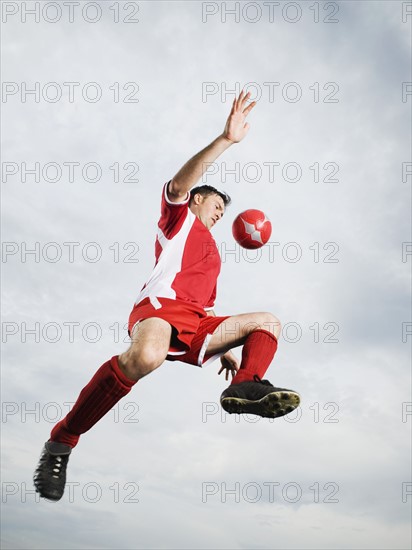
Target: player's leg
[259, 333]
[148, 350]
[115, 378]
[112, 381]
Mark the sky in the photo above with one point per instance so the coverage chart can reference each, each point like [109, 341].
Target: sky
[122, 95]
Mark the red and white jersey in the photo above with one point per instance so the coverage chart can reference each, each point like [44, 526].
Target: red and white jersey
[187, 259]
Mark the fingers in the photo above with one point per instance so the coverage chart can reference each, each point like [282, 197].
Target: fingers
[229, 365]
[249, 108]
[240, 103]
[244, 100]
[233, 107]
[226, 373]
[231, 370]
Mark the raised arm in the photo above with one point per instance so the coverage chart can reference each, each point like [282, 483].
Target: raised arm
[235, 130]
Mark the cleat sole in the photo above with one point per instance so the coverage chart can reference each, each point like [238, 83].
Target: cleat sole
[272, 405]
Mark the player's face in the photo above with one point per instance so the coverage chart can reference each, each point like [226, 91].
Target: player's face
[208, 209]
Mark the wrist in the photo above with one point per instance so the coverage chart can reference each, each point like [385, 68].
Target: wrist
[226, 140]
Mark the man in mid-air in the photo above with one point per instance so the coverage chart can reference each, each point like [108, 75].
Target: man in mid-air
[173, 317]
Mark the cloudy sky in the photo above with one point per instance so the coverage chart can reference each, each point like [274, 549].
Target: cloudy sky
[102, 103]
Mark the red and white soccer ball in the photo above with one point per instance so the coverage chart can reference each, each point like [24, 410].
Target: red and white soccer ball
[252, 229]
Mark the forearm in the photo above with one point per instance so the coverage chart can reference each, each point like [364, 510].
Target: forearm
[193, 170]
[235, 130]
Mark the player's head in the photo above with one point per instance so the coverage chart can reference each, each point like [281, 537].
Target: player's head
[208, 204]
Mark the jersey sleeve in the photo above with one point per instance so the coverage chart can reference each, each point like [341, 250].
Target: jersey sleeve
[211, 302]
[173, 214]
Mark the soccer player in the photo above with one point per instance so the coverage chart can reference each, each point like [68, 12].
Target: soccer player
[173, 316]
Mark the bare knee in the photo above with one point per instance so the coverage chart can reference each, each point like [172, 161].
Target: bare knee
[138, 363]
[268, 321]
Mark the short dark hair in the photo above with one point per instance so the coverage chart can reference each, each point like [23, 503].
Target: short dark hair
[206, 190]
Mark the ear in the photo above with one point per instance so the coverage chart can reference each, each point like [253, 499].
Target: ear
[197, 198]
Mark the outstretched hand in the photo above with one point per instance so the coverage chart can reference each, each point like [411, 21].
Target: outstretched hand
[236, 128]
[229, 364]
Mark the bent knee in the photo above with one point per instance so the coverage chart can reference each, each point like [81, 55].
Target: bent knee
[271, 323]
[139, 363]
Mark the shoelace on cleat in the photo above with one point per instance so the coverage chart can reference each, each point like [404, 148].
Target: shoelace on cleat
[256, 378]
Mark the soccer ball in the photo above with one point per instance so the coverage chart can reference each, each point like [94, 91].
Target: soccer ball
[251, 229]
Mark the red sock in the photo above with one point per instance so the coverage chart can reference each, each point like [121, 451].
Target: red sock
[104, 390]
[258, 352]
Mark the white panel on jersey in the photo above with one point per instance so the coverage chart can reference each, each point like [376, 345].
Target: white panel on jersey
[169, 263]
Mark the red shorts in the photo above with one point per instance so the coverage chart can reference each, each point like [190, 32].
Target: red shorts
[192, 328]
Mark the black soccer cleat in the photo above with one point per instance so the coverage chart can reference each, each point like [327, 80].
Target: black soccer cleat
[259, 397]
[50, 475]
